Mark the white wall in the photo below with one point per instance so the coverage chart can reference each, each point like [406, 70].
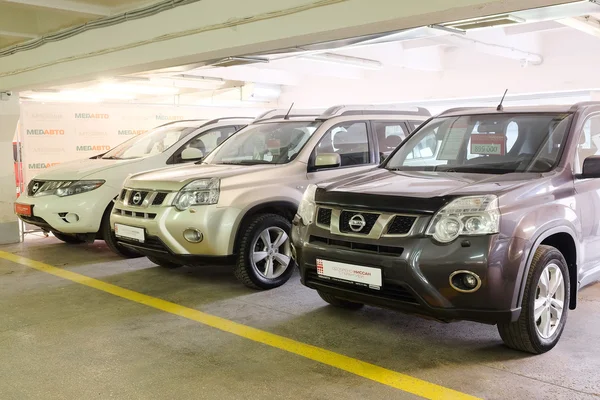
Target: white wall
[56, 133]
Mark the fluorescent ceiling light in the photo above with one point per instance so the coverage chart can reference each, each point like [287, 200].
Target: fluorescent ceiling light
[191, 81]
[340, 59]
[136, 89]
[484, 22]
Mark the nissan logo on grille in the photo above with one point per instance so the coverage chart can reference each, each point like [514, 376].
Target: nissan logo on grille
[357, 223]
[137, 198]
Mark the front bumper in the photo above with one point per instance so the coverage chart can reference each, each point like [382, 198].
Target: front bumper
[416, 272]
[164, 226]
[49, 211]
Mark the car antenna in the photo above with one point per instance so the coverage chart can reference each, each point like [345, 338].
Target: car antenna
[287, 116]
[500, 107]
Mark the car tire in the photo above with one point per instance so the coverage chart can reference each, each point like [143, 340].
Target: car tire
[543, 294]
[111, 240]
[341, 303]
[164, 263]
[70, 239]
[268, 272]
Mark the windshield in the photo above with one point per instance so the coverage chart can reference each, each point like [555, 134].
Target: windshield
[267, 143]
[150, 143]
[487, 143]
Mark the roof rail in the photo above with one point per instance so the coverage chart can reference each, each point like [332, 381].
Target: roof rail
[457, 109]
[181, 120]
[214, 121]
[575, 106]
[340, 110]
[280, 113]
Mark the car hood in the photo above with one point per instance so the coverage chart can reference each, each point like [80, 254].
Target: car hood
[175, 178]
[427, 184]
[81, 169]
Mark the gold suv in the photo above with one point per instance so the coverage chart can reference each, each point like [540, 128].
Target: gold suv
[236, 206]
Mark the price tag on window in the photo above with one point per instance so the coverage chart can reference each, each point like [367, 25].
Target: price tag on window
[488, 144]
[274, 146]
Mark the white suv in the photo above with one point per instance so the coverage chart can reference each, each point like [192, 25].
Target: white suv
[237, 205]
[74, 200]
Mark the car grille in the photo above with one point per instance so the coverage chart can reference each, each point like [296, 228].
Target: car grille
[150, 243]
[324, 216]
[159, 199]
[362, 247]
[134, 214]
[347, 217]
[137, 198]
[389, 290]
[401, 225]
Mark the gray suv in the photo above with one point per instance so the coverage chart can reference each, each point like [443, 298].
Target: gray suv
[236, 207]
[489, 215]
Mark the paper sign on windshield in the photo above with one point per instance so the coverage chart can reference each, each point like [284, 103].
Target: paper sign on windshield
[488, 144]
[274, 146]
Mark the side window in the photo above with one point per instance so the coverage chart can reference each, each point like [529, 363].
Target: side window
[349, 140]
[206, 141]
[389, 135]
[589, 142]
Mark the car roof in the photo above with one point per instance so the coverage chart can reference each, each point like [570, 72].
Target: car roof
[552, 109]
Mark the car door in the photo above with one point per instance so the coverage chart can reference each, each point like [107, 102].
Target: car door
[588, 193]
[205, 141]
[353, 142]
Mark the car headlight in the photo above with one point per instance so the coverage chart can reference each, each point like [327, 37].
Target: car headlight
[466, 216]
[307, 208]
[198, 192]
[67, 188]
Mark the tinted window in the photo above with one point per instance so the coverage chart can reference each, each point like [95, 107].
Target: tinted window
[349, 140]
[389, 135]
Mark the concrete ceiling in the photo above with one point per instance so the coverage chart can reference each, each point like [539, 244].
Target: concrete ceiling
[23, 20]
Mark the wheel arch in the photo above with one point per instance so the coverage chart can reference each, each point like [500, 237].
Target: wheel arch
[285, 208]
[563, 239]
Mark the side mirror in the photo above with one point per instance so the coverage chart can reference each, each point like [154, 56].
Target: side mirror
[591, 168]
[192, 154]
[328, 160]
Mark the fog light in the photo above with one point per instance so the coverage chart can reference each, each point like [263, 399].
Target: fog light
[193, 235]
[465, 281]
[72, 218]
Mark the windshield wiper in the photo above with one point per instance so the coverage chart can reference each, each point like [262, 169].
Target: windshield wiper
[246, 162]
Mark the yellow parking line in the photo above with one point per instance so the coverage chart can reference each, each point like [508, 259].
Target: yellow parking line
[364, 369]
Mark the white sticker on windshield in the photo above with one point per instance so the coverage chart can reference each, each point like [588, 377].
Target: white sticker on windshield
[453, 141]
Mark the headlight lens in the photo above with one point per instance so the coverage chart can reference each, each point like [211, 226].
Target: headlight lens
[307, 208]
[67, 188]
[199, 192]
[466, 216]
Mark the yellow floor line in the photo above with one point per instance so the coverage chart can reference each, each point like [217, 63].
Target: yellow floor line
[364, 369]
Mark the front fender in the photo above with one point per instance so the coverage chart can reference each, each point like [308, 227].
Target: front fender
[247, 200]
[565, 221]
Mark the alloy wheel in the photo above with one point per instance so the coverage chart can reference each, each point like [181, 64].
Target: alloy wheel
[549, 301]
[271, 253]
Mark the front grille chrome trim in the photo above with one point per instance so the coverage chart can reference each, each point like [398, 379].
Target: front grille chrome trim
[378, 230]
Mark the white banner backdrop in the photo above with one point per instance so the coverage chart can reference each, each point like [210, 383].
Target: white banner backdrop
[52, 134]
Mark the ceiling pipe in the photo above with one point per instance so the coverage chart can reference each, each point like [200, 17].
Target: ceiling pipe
[526, 58]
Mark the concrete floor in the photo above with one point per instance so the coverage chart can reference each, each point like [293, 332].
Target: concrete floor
[62, 340]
